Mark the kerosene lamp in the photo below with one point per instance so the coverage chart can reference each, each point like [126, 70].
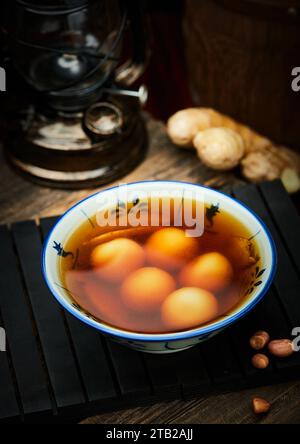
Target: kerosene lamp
[82, 124]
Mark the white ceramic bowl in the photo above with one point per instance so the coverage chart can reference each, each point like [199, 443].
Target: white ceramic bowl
[158, 343]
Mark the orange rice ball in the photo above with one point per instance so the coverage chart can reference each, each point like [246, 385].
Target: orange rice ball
[188, 308]
[170, 247]
[211, 271]
[146, 289]
[115, 260]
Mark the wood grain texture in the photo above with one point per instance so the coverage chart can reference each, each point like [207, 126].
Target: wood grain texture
[241, 63]
[20, 200]
[233, 408]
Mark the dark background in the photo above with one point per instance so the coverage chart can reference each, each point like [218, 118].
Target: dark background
[166, 76]
[166, 73]
[236, 61]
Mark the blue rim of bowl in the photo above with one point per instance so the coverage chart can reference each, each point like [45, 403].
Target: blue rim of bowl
[169, 337]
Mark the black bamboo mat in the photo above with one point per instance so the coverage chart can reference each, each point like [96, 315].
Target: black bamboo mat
[56, 368]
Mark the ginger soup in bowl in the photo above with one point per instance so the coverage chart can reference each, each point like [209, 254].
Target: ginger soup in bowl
[159, 266]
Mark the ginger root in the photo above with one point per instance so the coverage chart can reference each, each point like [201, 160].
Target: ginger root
[220, 148]
[291, 180]
[222, 144]
[273, 163]
[184, 125]
[252, 140]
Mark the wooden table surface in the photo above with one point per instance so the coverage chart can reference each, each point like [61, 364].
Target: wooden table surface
[21, 200]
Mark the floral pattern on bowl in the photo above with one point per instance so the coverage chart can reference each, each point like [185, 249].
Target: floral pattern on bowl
[259, 284]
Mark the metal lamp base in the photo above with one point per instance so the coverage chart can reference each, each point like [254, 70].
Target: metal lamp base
[58, 153]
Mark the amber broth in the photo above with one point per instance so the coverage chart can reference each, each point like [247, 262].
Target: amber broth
[223, 233]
